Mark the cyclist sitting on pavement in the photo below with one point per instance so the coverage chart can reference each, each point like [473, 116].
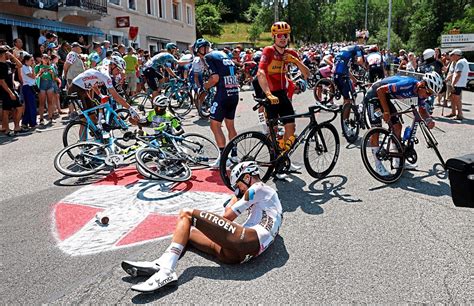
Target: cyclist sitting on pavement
[272, 78]
[159, 118]
[399, 87]
[92, 78]
[216, 235]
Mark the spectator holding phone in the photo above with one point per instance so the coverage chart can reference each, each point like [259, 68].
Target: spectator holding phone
[45, 77]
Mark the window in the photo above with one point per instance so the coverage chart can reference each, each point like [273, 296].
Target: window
[162, 8]
[132, 5]
[150, 7]
[177, 10]
[116, 2]
[189, 14]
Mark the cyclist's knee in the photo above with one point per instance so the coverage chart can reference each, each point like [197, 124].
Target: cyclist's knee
[186, 213]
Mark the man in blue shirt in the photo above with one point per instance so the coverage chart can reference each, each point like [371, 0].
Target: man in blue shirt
[223, 76]
[399, 87]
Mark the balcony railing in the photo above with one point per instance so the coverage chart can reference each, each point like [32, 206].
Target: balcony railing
[92, 5]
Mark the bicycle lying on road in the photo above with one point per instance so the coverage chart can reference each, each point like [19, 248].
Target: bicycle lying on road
[321, 147]
[393, 152]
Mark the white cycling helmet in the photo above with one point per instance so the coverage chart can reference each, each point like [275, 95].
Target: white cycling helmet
[428, 53]
[161, 101]
[433, 81]
[240, 170]
[118, 61]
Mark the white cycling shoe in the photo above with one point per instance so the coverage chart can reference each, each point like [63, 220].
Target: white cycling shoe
[380, 169]
[140, 268]
[156, 281]
[409, 166]
[294, 167]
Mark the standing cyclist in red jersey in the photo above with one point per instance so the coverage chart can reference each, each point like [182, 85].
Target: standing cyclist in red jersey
[272, 78]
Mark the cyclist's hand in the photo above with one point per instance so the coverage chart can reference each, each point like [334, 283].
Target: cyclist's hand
[273, 100]
[288, 58]
[386, 117]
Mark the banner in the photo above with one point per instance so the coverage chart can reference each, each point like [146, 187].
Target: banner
[132, 33]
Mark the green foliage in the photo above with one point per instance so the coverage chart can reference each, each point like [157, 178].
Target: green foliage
[465, 25]
[208, 20]
[252, 12]
[380, 39]
[254, 32]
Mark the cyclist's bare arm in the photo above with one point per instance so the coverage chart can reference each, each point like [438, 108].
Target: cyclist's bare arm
[382, 95]
[118, 98]
[213, 79]
[171, 72]
[262, 80]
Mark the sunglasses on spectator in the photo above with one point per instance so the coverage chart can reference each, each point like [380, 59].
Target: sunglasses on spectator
[280, 36]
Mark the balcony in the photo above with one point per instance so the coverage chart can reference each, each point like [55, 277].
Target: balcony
[89, 9]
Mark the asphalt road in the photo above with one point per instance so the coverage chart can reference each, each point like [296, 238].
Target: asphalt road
[345, 239]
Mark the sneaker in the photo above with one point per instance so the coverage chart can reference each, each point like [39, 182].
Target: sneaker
[234, 159]
[140, 268]
[41, 122]
[158, 280]
[281, 176]
[380, 169]
[409, 166]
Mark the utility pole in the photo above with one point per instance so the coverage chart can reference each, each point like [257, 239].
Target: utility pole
[275, 6]
[366, 9]
[389, 23]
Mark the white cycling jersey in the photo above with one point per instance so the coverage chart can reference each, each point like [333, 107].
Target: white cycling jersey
[198, 65]
[374, 58]
[265, 212]
[91, 77]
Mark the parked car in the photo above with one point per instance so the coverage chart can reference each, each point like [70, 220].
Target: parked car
[470, 77]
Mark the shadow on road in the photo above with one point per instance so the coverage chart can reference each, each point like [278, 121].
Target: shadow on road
[67, 181]
[275, 257]
[412, 183]
[319, 192]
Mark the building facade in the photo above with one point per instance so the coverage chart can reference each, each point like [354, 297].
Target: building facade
[158, 21]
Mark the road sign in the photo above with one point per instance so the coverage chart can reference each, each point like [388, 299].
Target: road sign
[139, 210]
[457, 41]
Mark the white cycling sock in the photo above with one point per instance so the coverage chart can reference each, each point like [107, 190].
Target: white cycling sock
[374, 153]
[169, 259]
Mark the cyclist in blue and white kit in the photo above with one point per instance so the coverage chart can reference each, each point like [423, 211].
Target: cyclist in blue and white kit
[154, 66]
[399, 87]
[342, 75]
[217, 235]
[222, 75]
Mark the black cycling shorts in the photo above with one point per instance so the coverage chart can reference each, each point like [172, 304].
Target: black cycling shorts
[224, 108]
[344, 84]
[376, 72]
[234, 239]
[153, 77]
[83, 96]
[284, 108]
[374, 109]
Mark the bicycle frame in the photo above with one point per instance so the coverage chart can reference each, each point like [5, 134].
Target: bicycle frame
[109, 111]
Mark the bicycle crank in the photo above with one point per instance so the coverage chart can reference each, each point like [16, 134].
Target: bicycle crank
[114, 160]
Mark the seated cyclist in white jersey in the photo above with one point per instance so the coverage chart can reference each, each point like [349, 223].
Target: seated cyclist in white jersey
[216, 235]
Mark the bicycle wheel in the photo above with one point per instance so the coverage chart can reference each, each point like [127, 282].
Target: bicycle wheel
[143, 101]
[181, 102]
[385, 162]
[350, 125]
[204, 110]
[247, 146]
[77, 131]
[200, 149]
[431, 142]
[163, 164]
[81, 159]
[324, 91]
[321, 150]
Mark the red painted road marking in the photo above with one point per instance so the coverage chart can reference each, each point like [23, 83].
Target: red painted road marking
[139, 210]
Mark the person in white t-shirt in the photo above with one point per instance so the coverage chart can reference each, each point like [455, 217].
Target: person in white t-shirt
[458, 82]
[29, 94]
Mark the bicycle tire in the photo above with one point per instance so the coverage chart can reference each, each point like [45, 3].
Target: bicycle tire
[75, 132]
[81, 164]
[143, 100]
[261, 142]
[201, 150]
[204, 108]
[350, 126]
[321, 141]
[326, 88]
[388, 138]
[432, 143]
[154, 157]
[181, 102]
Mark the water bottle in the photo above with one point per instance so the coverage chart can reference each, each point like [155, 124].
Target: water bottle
[407, 133]
[361, 108]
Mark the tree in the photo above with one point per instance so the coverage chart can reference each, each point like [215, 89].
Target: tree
[208, 20]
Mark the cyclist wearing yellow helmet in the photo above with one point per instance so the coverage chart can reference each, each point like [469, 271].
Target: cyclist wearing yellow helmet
[272, 78]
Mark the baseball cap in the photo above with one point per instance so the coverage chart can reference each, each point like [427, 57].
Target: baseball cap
[456, 51]
[5, 48]
[76, 44]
